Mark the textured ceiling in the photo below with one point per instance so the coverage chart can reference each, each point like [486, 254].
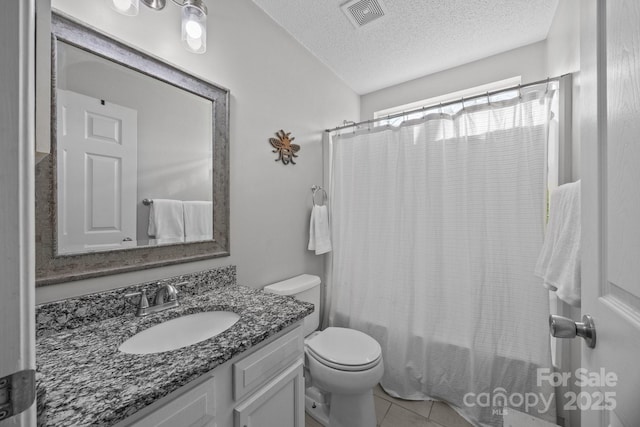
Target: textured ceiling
[414, 38]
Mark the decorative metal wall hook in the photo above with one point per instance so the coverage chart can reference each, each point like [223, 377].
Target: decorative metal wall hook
[283, 146]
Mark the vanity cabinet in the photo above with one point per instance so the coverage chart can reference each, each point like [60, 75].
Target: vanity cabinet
[263, 387]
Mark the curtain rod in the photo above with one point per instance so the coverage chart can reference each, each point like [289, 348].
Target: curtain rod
[445, 104]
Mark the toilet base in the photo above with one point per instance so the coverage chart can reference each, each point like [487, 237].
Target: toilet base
[343, 410]
[316, 406]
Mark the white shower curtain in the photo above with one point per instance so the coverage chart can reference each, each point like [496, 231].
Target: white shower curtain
[437, 226]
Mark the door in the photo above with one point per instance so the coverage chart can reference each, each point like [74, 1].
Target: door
[17, 241]
[611, 211]
[97, 174]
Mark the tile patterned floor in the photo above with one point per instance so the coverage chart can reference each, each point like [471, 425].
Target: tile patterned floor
[392, 412]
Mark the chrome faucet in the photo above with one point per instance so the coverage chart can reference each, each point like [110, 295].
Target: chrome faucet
[166, 297]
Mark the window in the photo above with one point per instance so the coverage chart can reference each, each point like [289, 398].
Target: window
[443, 99]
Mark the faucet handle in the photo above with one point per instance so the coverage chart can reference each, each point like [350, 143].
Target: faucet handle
[144, 302]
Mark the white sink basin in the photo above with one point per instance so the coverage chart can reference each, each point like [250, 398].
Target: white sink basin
[179, 332]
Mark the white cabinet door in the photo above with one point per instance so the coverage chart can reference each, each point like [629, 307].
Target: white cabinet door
[280, 403]
[259, 367]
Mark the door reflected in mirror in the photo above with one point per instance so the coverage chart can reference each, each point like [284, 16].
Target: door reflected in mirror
[123, 137]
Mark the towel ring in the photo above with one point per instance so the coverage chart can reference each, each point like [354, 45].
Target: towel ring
[314, 190]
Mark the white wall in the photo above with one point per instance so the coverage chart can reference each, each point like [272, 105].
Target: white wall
[529, 62]
[275, 84]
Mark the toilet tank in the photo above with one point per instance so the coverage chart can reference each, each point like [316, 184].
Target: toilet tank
[305, 287]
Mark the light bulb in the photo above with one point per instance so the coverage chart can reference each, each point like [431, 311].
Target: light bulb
[193, 29]
[125, 7]
[194, 26]
[194, 44]
[122, 5]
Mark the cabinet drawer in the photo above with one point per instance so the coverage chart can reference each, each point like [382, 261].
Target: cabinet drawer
[254, 370]
[195, 408]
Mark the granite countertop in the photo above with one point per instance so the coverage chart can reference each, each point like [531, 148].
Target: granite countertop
[85, 380]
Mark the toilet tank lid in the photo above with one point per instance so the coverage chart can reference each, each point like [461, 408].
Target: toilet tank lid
[293, 285]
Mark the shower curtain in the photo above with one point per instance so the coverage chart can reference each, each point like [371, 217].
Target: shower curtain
[436, 226]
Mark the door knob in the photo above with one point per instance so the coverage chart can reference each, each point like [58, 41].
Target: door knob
[562, 327]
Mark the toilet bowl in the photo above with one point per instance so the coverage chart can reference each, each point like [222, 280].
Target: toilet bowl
[342, 365]
[347, 364]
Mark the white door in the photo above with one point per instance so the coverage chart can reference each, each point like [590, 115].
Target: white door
[17, 242]
[97, 174]
[611, 211]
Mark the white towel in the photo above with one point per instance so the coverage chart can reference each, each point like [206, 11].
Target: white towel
[166, 221]
[559, 261]
[319, 235]
[198, 221]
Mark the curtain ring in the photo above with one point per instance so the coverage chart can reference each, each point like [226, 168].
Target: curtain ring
[462, 101]
[488, 99]
[441, 113]
[547, 89]
[519, 91]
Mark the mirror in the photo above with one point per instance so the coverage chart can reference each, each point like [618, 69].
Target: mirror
[138, 171]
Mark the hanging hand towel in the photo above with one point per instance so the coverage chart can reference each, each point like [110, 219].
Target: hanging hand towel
[166, 221]
[559, 261]
[319, 235]
[198, 221]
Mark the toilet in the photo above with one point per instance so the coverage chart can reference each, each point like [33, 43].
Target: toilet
[342, 365]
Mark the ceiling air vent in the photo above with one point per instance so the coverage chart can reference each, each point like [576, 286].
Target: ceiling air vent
[362, 12]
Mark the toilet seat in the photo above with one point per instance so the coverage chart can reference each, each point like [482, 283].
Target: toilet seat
[344, 349]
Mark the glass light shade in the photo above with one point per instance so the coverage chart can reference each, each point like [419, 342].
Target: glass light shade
[194, 26]
[125, 7]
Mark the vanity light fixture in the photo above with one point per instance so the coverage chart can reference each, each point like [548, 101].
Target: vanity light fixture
[194, 19]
